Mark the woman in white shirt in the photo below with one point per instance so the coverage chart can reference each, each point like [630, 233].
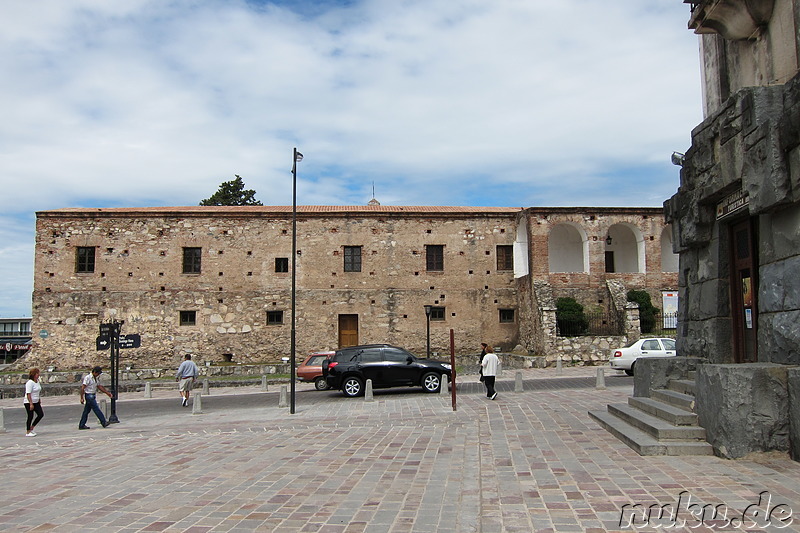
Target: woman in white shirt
[33, 391]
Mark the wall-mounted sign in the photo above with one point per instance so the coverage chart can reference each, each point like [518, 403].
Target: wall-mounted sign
[732, 203]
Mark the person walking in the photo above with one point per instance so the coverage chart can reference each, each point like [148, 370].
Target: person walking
[89, 389]
[489, 366]
[480, 360]
[32, 403]
[185, 376]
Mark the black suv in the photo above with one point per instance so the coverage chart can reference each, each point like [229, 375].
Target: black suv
[387, 366]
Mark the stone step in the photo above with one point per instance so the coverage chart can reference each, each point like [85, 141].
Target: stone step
[692, 375]
[644, 443]
[656, 427]
[670, 413]
[677, 399]
[686, 386]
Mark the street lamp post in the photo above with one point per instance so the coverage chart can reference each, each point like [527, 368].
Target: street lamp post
[428, 321]
[297, 158]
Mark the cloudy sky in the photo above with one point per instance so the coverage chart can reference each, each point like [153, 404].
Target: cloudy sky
[432, 102]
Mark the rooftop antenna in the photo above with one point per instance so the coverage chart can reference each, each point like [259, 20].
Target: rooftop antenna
[373, 201]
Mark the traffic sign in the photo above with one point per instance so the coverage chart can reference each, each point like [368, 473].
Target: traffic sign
[132, 340]
[107, 330]
[103, 343]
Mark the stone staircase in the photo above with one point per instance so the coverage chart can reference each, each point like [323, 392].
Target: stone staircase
[663, 424]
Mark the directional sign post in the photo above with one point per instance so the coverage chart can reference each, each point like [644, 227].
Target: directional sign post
[130, 341]
[109, 336]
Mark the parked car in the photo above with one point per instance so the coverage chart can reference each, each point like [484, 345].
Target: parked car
[625, 358]
[387, 366]
[311, 369]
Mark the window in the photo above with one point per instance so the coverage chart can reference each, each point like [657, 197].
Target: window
[505, 257]
[84, 259]
[274, 318]
[191, 260]
[352, 258]
[437, 313]
[188, 318]
[434, 257]
[651, 344]
[281, 264]
[395, 355]
[506, 315]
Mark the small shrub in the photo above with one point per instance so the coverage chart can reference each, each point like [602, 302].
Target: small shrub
[647, 312]
[570, 318]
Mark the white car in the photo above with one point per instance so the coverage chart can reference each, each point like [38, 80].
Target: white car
[625, 358]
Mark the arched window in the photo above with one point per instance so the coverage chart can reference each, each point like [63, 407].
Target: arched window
[624, 249]
[669, 259]
[567, 249]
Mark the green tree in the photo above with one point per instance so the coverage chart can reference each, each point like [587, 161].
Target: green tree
[570, 318]
[232, 193]
[647, 311]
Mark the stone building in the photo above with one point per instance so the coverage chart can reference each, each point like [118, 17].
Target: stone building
[736, 223]
[216, 281]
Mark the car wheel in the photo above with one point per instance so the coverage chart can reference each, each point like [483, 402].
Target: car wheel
[352, 387]
[630, 370]
[320, 383]
[431, 382]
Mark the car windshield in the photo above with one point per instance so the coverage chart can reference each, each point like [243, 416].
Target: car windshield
[669, 344]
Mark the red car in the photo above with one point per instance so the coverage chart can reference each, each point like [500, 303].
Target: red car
[311, 370]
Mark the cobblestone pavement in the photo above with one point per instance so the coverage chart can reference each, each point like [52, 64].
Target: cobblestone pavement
[405, 462]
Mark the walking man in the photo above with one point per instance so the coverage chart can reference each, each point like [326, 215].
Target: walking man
[489, 366]
[89, 389]
[185, 376]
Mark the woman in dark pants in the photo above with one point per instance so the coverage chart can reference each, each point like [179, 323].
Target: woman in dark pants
[32, 402]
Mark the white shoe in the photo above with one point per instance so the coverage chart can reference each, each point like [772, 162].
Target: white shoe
[30, 434]
[494, 396]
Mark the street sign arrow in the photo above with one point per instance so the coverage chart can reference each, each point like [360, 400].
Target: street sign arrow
[103, 343]
[132, 340]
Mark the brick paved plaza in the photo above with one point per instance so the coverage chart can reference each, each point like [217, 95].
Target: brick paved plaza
[529, 461]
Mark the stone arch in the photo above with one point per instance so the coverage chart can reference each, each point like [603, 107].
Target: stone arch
[626, 249]
[521, 257]
[567, 248]
[669, 259]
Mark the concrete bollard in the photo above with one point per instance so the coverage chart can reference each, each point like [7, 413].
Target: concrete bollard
[205, 386]
[264, 384]
[197, 404]
[559, 370]
[601, 379]
[283, 399]
[444, 388]
[104, 407]
[2, 422]
[148, 390]
[368, 397]
[518, 382]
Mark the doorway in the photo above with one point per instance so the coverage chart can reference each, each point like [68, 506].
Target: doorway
[744, 288]
[348, 330]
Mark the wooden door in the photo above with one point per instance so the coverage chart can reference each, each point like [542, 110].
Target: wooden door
[348, 330]
[743, 288]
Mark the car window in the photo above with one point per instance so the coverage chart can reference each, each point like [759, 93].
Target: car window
[651, 344]
[349, 355]
[316, 360]
[669, 344]
[396, 355]
[370, 356]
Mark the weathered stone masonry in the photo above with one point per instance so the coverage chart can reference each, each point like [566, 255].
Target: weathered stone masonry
[138, 277]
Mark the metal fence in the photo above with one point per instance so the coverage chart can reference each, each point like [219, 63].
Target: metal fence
[666, 325]
[591, 323]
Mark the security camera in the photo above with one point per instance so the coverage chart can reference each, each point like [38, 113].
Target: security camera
[678, 159]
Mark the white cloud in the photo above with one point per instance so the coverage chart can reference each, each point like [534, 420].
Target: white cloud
[153, 102]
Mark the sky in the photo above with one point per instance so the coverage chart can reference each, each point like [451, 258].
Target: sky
[522, 103]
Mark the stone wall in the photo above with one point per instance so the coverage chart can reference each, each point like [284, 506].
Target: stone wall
[138, 279]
